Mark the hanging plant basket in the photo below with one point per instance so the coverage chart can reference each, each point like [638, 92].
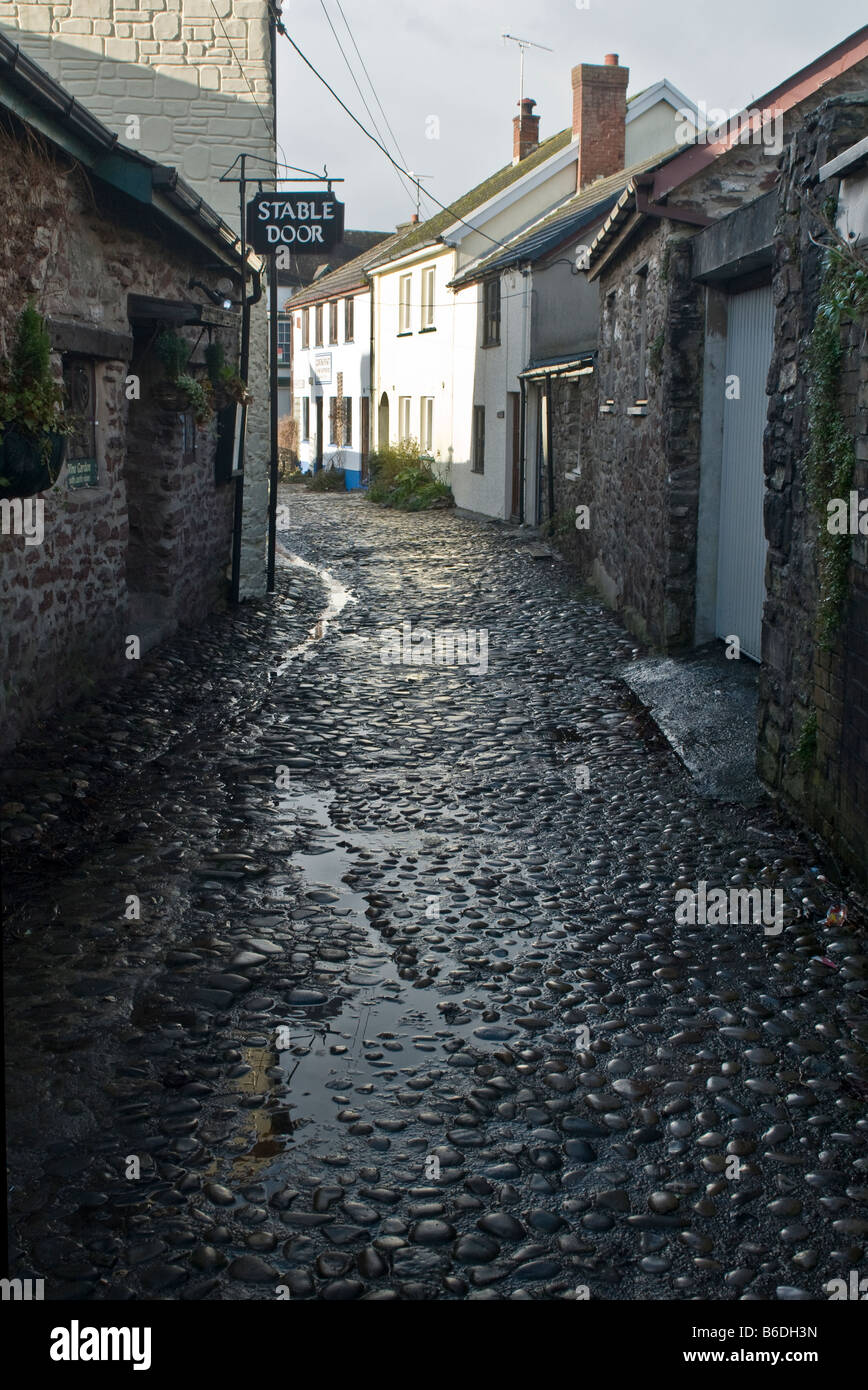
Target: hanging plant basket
[33, 424]
[29, 463]
[232, 388]
[169, 396]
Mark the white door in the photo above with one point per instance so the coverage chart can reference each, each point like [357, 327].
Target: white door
[742, 543]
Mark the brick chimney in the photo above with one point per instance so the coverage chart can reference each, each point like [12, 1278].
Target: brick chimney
[599, 113]
[525, 130]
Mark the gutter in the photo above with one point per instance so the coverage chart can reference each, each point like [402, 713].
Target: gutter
[44, 104]
[522, 457]
[307, 297]
[371, 396]
[579, 366]
[846, 162]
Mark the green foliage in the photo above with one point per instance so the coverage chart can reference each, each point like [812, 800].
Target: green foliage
[224, 379]
[215, 361]
[845, 288]
[831, 458]
[806, 748]
[200, 395]
[403, 477]
[31, 351]
[174, 354]
[30, 398]
[328, 480]
[563, 523]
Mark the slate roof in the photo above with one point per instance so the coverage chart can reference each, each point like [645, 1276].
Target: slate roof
[350, 276]
[307, 266]
[582, 210]
[424, 233]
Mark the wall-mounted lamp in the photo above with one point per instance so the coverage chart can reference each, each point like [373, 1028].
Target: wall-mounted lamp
[219, 296]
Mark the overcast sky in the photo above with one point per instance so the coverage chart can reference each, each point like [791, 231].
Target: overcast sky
[446, 59]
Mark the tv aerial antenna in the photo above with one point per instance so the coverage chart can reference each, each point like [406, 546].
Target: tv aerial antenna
[522, 45]
[417, 180]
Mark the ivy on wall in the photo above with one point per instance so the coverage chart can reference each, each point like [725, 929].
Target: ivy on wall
[831, 458]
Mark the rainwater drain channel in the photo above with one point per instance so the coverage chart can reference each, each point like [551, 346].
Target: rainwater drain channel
[366, 1038]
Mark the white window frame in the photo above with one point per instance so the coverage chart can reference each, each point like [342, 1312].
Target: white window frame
[405, 289]
[426, 423]
[428, 282]
[404, 407]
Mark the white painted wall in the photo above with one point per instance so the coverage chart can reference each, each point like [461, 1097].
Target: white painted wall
[512, 213]
[452, 365]
[651, 133]
[492, 375]
[352, 359]
[852, 217]
[421, 363]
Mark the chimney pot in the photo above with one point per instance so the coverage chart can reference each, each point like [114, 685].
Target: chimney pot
[611, 60]
[525, 130]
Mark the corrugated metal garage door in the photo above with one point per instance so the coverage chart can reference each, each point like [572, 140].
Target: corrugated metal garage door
[742, 549]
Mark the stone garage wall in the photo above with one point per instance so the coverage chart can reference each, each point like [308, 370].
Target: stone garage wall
[573, 407]
[644, 470]
[196, 76]
[65, 602]
[823, 777]
[640, 472]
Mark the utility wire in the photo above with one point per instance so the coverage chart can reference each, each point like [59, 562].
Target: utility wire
[372, 87]
[281, 29]
[360, 92]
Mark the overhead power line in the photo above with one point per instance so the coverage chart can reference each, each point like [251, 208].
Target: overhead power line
[401, 154]
[282, 29]
[371, 116]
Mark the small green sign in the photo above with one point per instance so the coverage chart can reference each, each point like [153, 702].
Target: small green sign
[82, 473]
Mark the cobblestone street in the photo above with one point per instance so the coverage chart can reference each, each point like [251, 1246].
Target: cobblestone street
[332, 976]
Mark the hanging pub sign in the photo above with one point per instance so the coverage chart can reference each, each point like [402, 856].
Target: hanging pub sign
[304, 221]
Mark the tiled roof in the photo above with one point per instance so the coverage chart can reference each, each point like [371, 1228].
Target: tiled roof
[426, 232]
[350, 276]
[583, 209]
[305, 266]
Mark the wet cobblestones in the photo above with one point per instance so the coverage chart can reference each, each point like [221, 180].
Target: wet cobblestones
[406, 1012]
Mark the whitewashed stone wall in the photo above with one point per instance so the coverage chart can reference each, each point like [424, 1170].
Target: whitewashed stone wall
[181, 84]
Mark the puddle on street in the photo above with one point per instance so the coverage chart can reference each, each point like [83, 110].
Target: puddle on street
[379, 1013]
[338, 598]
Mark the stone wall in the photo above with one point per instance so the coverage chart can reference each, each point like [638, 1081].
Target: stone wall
[66, 602]
[639, 477]
[824, 779]
[180, 524]
[188, 83]
[643, 469]
[573, 408]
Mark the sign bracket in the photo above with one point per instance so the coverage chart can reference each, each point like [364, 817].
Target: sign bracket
[250, 241]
